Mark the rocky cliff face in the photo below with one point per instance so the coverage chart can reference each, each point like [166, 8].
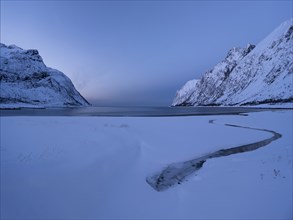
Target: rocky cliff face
[250, 76]
[27, 81]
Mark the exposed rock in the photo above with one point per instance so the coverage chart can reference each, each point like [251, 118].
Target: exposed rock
[27, 81]
[248, 76]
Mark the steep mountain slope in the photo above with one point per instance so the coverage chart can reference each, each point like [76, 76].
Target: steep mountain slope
[27, 81]
[250, 76]
[186, 91]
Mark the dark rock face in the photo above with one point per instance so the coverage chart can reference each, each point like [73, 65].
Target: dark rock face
[251, 75]
[26, 80]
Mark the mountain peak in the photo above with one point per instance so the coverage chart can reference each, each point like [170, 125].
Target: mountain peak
[237, 53]
[249, 76]
[27, 81]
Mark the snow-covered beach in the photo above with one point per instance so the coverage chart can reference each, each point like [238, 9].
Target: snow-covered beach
[146, 110]
[96, 167]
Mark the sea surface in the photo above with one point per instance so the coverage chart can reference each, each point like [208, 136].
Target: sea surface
[129, 111]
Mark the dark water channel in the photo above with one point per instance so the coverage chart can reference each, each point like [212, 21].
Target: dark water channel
[177, 172]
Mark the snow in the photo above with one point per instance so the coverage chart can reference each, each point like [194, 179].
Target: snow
[96, 167]
[186, 91]
[250, 76]
[274, 35]
[269, 67]
[205, 91]
[27, 81]
[288, 105]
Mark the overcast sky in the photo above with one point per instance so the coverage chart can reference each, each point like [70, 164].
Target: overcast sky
[136, 52]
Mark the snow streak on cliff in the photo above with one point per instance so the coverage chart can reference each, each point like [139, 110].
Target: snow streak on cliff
[254, 75]
[27, 81]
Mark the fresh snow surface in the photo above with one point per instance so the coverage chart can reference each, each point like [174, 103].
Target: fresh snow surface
[288, 105]
[96, 167]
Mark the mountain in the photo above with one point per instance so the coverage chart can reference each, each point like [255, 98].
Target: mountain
[26, 81]
[261, 74]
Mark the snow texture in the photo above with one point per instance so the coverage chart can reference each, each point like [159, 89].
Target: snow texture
[96, 167]
[186, 91]
[27, 82]
[254, 75]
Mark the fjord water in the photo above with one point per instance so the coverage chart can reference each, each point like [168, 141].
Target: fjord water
[128, 111]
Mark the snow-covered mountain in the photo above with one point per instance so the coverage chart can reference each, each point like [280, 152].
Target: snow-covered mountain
[247, 76]
[27, 81]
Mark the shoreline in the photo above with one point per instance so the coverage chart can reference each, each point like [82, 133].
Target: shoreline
[133, 111]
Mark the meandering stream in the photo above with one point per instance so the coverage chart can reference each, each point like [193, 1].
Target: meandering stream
[177, 172]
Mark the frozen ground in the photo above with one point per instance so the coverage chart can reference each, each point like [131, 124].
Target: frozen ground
[96, 167]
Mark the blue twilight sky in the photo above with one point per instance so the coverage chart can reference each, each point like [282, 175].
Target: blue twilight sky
[136, 52]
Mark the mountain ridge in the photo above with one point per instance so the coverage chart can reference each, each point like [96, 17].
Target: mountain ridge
[27, 82]
[261, 75]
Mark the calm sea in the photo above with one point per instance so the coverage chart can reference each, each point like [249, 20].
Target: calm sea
[129, 111]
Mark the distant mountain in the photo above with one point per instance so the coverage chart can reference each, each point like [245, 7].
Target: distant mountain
[261, 74]
[27, 81]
